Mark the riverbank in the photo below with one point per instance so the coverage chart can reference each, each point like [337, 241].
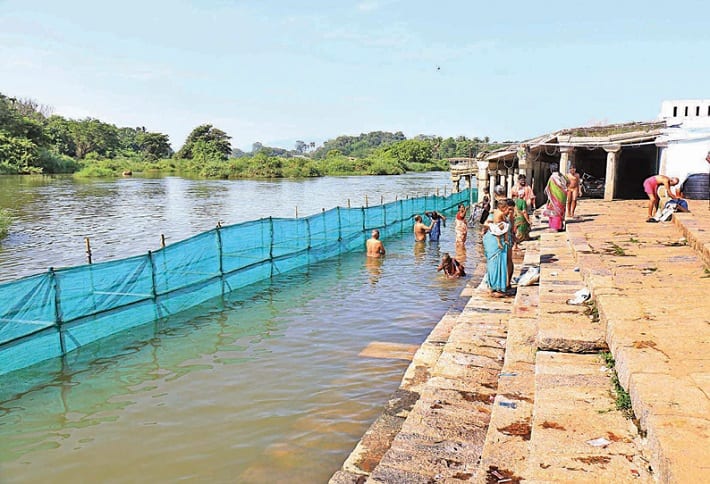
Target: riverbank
[513, 390]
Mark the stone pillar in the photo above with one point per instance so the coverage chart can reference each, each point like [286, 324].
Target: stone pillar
[612, 157]
[566, 156]
[491, 186]
[482, 178]
[456, 180]
[523, 161]
[511, 178]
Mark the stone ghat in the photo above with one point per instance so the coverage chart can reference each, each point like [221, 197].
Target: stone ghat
[515, 389]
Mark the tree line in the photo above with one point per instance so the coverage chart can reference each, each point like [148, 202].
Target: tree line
[34, 140]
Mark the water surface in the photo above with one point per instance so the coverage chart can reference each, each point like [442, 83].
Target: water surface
[264, 385]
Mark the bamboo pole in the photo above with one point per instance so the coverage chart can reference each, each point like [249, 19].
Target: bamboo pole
[366, 205]
[348, 203]
[88, 249]
[296, 211]
[162, 241]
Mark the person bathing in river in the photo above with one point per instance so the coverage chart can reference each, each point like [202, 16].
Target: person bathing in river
[461, 227]
[436, 219]
[451, 267]
[375, 247]
[420, 230]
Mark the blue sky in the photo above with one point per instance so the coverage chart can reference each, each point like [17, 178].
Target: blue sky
[280, 71]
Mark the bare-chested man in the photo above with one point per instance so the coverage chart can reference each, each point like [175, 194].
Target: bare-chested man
[375, 247]
[650, 186]
[420, 230]
[573, 191]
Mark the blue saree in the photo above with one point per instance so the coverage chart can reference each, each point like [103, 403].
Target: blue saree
[496, 261]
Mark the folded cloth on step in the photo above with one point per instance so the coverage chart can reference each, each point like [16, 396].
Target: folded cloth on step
[530, 277]
[580, 297]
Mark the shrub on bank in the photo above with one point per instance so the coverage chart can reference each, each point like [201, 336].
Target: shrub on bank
[5, 221]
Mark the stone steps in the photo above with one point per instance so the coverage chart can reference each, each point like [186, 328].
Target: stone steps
[552, 361]
[577, 434]
[506, 449]
[442, 437]
[654, 303]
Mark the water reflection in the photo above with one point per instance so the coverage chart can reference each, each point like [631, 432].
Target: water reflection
[374, 267]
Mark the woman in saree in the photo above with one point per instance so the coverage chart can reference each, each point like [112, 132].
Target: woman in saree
[461, 227]
[556, 192]
[496, 241]
[521, 223]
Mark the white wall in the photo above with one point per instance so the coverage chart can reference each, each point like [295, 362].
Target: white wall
[686, 110]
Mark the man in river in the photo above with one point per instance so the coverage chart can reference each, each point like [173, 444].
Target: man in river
[420, 230]
[574, 190]
[375, 247]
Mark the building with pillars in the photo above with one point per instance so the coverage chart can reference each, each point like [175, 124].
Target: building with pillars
[623, 155]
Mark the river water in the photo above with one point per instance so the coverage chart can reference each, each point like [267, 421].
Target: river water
[52, 216]
[266, 385]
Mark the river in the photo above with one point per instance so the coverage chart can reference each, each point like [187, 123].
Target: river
[52, 215]
[274, 383]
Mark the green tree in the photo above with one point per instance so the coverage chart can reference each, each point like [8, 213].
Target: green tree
[153, 146]
[15, 124]
[19, 153]
[59, 135]
[215, 137]
[411, 151]
[93, 136]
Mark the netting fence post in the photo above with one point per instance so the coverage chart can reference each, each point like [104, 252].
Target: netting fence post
[340, 228]
[271, 247]
[325, 228]
[362, 209]
[152, 275]
[401, 215]
[220, 254]
[58, 310]
[308, 232]
[384, 214]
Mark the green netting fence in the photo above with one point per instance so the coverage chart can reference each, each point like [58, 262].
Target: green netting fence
[50, 314]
